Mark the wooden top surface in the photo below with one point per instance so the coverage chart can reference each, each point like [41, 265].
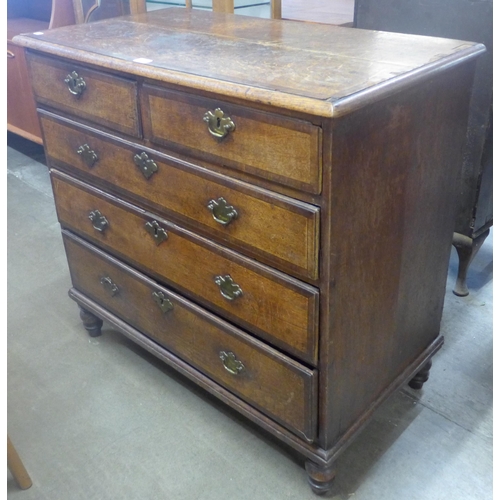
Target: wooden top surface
[309, 66]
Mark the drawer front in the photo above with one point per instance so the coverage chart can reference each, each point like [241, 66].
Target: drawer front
[274, 306]
[281, 231]
[285, 150]
[268, 380]
[82, 92]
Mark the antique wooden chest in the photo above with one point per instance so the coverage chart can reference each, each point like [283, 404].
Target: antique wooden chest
[267, 206]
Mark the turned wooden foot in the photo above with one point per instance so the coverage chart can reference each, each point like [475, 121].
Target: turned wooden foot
[466, 248]
[91, 322]
[421, 377]
[321, 477]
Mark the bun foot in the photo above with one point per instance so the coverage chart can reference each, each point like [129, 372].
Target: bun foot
[421, 377]
[91, 322]
[321, 477]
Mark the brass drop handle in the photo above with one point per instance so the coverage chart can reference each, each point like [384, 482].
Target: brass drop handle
[219, 124]
[109, 286]
[146, 165]
[163, 302]
[227, 287]
[10, 54]
[99, 222]
[222, 212]
[88, 155]
[231, 364]
[156, 231]
[76, 84]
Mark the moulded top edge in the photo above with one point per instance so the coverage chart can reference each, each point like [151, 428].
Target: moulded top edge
[305, 67]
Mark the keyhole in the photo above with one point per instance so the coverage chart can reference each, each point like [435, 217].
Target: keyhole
[218, 122]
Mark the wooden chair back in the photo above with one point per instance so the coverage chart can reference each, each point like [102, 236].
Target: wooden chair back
[87, 11]
[227, 6]
[94, 10]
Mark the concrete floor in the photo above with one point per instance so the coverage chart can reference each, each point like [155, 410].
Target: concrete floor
[99, 419]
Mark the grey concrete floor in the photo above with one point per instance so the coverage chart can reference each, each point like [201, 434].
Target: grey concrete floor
[99, 419]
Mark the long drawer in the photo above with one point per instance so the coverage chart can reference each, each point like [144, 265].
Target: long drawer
[278, 230]
[275, 307]
[285, 150]
[271, 382]
[100, 97]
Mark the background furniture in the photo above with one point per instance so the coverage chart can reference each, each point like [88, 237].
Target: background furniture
[16, 467]
[266, 233]
[463, 20]
[87, 11]
[25, 16]
[91, 10]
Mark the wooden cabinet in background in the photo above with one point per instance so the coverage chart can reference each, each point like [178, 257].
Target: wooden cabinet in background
[28, 16]
[460, 20]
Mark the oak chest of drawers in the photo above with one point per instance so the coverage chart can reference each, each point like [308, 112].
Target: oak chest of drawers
[267, 206]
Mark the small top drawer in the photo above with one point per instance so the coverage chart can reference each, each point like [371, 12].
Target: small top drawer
[277, 148]
[79, 91]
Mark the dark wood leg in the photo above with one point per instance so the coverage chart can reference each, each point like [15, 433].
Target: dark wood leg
[421, 377]
[91, 322]
[321, 477]
[466, 248]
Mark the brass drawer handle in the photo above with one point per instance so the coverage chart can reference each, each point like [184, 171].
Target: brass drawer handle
[231, 364]
[88, 155]
[222, 212]
[156, 231]
[147, 166]
[109, 286]
[219, 124]
[10, 54]
[99, 222]
[163, 302]
[76, 84]
[228, 288]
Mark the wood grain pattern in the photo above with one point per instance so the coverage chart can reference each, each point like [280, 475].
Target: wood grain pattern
[391, 111]
[273, 383]
[277, 308]
[284, 232]
[107, 100]
[395, 298]
[291, 65]
[289, 150]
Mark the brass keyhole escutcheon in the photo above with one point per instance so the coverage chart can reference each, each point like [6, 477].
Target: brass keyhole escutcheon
[219, 124]
[99, 222]
[163, 302]
[76, 84]
[89, 155]
[228, 288]
[222, 212]
[146, 165]
[231, 364]
[156, 231]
